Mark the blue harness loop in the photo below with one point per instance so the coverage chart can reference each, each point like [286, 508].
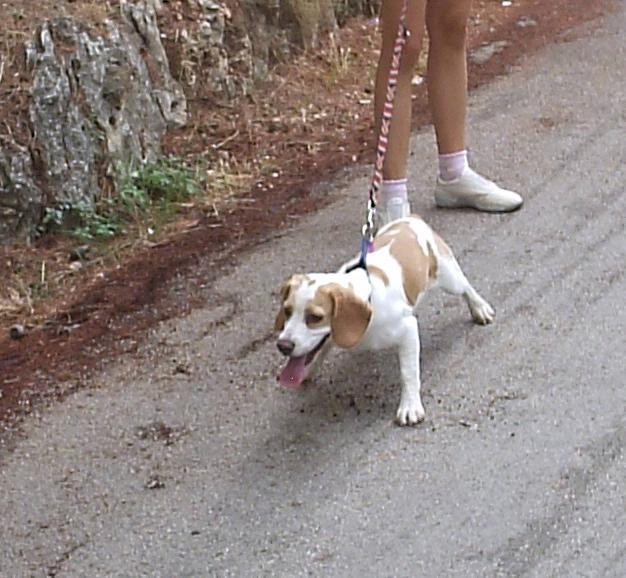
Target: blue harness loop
[367, 246]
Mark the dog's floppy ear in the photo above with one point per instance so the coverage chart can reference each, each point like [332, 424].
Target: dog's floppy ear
[285, 291]
[350, 316]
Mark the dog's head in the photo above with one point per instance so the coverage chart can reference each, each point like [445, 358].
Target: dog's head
[313, 309]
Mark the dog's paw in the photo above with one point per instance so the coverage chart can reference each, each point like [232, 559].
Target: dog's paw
[410, 414]
[482, 312]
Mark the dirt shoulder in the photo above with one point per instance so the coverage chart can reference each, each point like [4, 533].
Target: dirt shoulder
[107, 312]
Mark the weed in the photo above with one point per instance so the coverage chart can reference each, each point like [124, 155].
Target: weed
[54, 216]
[101, 222]
[169, 181]
[153, 188]
[339, 57]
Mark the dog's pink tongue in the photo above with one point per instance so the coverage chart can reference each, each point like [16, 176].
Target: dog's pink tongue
[293, 373]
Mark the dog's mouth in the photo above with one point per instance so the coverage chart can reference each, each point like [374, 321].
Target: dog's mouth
[294, 373]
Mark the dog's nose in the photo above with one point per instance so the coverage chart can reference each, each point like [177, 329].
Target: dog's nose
[286, 346]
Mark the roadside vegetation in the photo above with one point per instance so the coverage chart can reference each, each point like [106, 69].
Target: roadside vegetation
[149, 196]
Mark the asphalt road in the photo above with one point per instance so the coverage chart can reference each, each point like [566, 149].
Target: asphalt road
[186, 459]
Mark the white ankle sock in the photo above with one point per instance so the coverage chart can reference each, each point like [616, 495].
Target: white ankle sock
[393, 201]
[452, 166]
[393, 190]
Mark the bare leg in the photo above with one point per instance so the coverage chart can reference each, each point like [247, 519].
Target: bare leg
[446, 21]
[400, 131]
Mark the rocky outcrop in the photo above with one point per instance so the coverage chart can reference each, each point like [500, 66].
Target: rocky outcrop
[21, 198]
[235, 46]
[98, 104]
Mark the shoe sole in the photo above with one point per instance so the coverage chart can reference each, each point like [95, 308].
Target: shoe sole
[447, 203]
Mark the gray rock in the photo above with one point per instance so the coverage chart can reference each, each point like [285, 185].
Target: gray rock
[526, 22]
[60, 128]
[99, 103]
[17, 331]
[21, 198]
[483, 54]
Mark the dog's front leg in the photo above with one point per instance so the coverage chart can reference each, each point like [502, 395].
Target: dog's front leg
[411, 410]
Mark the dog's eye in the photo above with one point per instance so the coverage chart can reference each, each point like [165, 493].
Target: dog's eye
[288, 311]
[313, 318]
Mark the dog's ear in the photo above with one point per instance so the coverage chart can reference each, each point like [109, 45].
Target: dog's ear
[350, 316]
[285, 290]
[279, 322]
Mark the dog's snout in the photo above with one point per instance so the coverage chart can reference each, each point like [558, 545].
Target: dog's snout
[286, 346]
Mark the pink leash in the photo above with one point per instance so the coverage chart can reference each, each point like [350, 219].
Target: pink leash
[369, 228]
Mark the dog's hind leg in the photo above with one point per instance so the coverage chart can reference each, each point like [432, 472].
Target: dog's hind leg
[451, 278]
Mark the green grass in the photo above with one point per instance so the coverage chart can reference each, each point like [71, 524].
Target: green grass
[150, 192]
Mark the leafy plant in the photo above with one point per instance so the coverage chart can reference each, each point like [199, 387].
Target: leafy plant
[96, 223]
[54, 216]
[154, 187]
[169, 180]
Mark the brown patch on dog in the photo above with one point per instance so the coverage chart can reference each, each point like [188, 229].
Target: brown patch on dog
[286, 291]
[378, 272]
[415, 264]
[432, 259]
[321, 306]
[349, 315]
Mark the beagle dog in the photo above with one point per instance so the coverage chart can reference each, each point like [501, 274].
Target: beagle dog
[372, 308]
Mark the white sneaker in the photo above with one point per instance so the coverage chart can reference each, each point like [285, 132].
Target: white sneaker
[391, 210]
[476, 192]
